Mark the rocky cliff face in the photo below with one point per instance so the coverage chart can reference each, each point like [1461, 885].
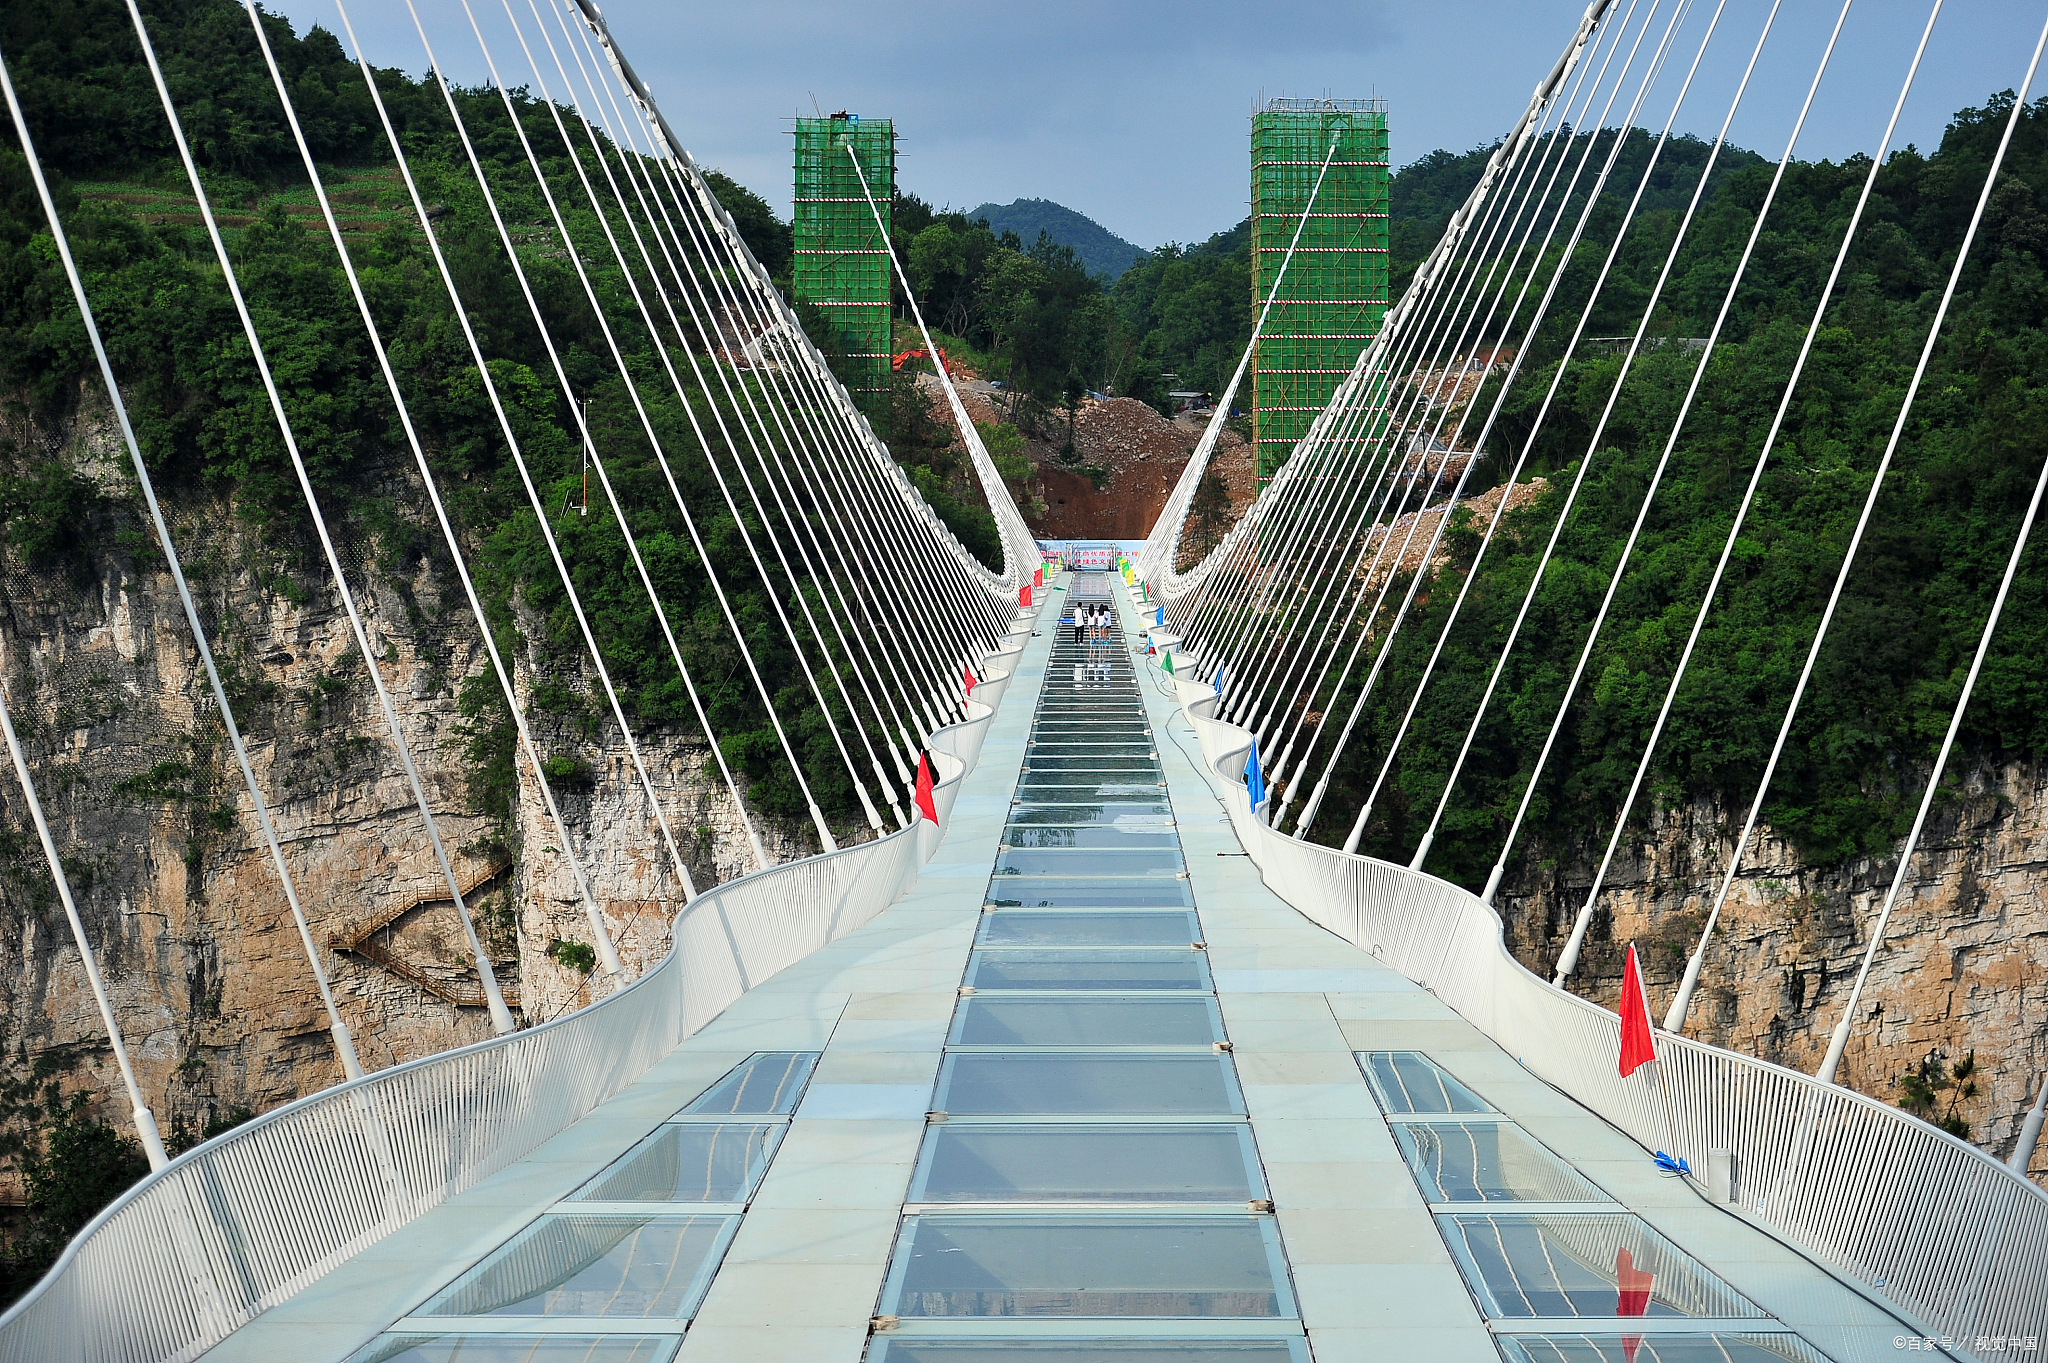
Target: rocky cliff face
[1963, 967]
[186, 915]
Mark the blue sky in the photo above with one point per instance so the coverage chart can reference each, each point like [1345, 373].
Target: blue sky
[1139, 115]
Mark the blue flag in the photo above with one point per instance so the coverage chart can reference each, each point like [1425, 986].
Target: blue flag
[1162, 615]
[1219, 679]
[1254, 783]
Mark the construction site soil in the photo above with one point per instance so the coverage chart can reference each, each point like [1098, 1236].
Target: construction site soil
[1126, 460]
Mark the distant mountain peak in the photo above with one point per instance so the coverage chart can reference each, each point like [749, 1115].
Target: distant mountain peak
[1101, 250]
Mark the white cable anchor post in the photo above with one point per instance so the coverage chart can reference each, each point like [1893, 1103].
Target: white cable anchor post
[145, 1121]
[2030, 1132]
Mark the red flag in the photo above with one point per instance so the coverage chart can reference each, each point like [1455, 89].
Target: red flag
[1038, 576]
[967, 679]
[1024, 595]
[925, 805]
[1632, 1296]
[1638, 1047]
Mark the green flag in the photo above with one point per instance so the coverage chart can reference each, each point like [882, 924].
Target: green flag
[1169, 664]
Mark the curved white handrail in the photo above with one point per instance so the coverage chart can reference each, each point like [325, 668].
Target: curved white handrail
[1954, 1238]
[238, 1224]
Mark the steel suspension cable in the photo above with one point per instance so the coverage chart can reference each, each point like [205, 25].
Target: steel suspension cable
[607, 950]
[1569, 960]
[1675, 1017]
[1393, 748]
[809, 385]
[514, 448]
[145, 1121]
[647, 426]
[968, 434]
[344, 1042]
[748, 429]
[1279, 777]
[1579, 478]
[1839, 1041]
[978, 596]
[711, 461]
[1430, 277]
[1198, 460]
[702, 234]
[1650, 75]
[501, 1017]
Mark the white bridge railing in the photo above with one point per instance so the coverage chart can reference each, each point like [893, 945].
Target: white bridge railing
[1951, 1236]
[240, 1223]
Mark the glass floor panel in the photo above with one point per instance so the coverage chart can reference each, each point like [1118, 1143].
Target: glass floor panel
[1409, 1081]
[1088, 969]
[1040, 1084]
[1089, 862]
[1488, 1162]
[1156, 1021]
[412, 1347]
[1067, 787]
[1147, 813]
[1035, 764]
[566, 1264]
[886, 1350]
[1137, 833]
[764, 1084]
[689, 1162]
[1088, 725]
[1080, 928]
[1083, 892]
[1146, 1163]
[1120, 1267]
[1657, 1348]
[1603, 1265]
[1083, 722]
[1090, 742]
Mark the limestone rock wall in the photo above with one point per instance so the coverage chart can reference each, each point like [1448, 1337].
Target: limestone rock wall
[1963, 967]
[164, 852]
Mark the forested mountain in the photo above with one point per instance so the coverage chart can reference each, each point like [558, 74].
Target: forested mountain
[1916, 599]
[1102, 251]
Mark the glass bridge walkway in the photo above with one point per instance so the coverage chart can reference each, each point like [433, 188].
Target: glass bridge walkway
[1113, 1103]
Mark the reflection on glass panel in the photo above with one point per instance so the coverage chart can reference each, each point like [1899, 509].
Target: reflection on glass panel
[1089, 862]
[1657, 1348]
[765, 1083]
[1154, 812]
[418, 1348]
[1087, 1164]
[1023, 927]
[1409, 1081]
[1088, 1085]
[1088, 744]
[1099, 1266]
[1598, 1265]
[1080, 892]
[1110, 970]
[568, 1264]
[1087, 1022]
[688, 1162]
[1488, 1162]
[1132, 834]
[1088, 1351]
